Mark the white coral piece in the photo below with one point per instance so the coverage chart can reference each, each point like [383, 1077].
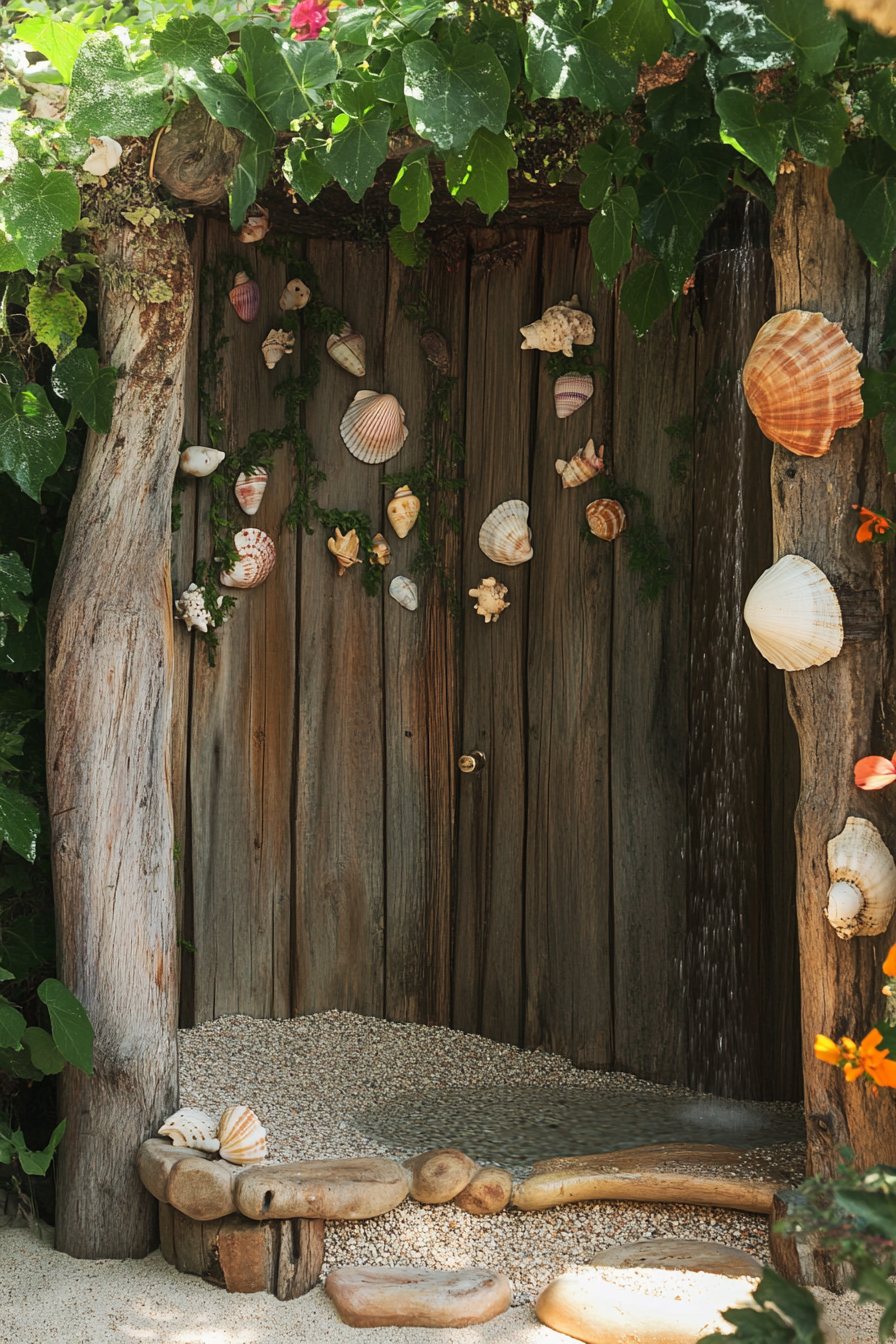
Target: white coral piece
[191, 609]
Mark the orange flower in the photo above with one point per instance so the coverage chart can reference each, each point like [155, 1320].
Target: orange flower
[872, 1061]
[875, 772]
[827, 1050]
[874, 527]
[889, 966]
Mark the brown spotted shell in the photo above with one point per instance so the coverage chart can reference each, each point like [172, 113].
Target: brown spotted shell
[257, 556]
[801, 382]
[606, 518]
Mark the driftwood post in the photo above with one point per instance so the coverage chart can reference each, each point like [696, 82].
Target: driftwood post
[109, 658]
[845, 709]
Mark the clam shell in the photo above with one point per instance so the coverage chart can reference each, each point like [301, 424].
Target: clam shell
[191, 1128]
[606, 518]
[243, 1139]
[199, 461]
[862, 894]
[245, 297]
[581, 468]
[404, 591]
[505, 536]
[250, 489]
[373, 428]
[794, 616]
[572, 390]
[348, 351]
[295, 295]
[257, 556]
[802, 383]
[402, 510]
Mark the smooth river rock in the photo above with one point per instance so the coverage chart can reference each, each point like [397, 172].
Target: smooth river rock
[156, 1159]
[352, 1187]
[374, 1295]
[488, 1192]
[440, 1174]
[202, 1190]
[703, 1257]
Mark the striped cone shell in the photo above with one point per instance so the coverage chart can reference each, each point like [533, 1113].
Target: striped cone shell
[257, 556]
[794, 616]
[348, 350]
[606, 518]
[245, 297]
[373, 428]
[572, 390]
[801, 382]
[243, 1140]
[250, 489]
[505, 536]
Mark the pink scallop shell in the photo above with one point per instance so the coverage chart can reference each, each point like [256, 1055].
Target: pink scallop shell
[257, 556]
[572, 390]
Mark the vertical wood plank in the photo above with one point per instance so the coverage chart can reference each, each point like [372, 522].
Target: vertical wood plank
[501, 380]
[654, 387]
[421, 652]
[242, 711]
[339, 848]
[568, 956]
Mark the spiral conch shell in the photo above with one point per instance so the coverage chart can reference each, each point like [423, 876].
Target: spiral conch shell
[862, 894]
[105, 155]
[794, 616]
[190, 1128]
[382, 551]
[295, 295]
[245, 297]
[200, 461]
[802, 383]
[606, 518]
[191, 609]
[572, 390]
[257, 555]
[243, 1139]
[489, 599]
[583, 467]
[256, 225]
[345, 547]
[348, 350]
[249, 490]
[373, 428]
[402, 510]
[558, 328]
[275, 345]
[505, 536]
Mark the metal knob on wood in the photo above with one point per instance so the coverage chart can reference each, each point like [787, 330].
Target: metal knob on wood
[470, 765]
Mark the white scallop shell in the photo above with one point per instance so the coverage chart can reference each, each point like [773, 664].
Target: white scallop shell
[794, 616]
[199, 461]
[404, 591]
[373, 428]
[243, 1139]
[862, 894]
[505, 536]
[257, 556]
[190, 1128]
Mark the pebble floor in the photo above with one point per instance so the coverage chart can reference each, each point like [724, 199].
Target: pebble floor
[308, 1079]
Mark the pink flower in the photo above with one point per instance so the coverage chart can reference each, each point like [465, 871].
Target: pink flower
[307, 19]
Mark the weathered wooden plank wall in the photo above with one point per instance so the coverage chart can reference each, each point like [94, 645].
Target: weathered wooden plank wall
[566, 897]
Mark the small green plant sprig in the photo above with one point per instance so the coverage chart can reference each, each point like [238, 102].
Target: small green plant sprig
[581, 361]
[648, 551]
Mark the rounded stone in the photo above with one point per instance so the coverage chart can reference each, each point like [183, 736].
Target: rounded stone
[488, 1192]
[347, 1188]
[202, 1190]
[377, 1295]
[156, 1159]
[703, 1257]
[439, 1174]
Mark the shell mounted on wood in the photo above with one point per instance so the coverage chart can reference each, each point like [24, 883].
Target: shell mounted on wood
[559, 328]
[402, 510]
[243, 1139]
[435, 348]
[490, 599]
[200, 461]
[572, 390]
[348, 350]
[404, 591]
[862, 894]
[191, 1128]
[245, 297]
[249, 490]
[801, 381]
[794, 616]
[191, 608]
[505, 536]
[373, 428]
[606, 518]
[382, 551]
[257, 558]
[583, 467]
[295, 295]
[105, 156]
[275, 345]
[345, 548]
[255, 226]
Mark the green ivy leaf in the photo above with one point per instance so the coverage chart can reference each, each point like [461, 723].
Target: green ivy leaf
[674, 215]
[817, 127]
[480, 173]
[42, 1049]
[633, 32]
[38, 1163]
[11, 258]
[304, 173]
[880, 117]
[19, 823]
[745, 36]
[72, 1032]
[672, 106]
[355, 153]
[450, 94]
[89, 390]
[502, 36]
[228, 102]
[610, 234]
[282, 76]
[12, 1023]
[310, 66]
[878, 392]
[32, 441]
[796, 1303]
[872, 47]
[59, 42]
[192, 40]
[35, 207]
[565, 61]
[612, 155]
[757, 130]
[249, 176]
[815, 32]
[645, 296]
[411, 249]
[863, 189]
[412, 189]
[56, 316]
[14, 581]
[110, 95]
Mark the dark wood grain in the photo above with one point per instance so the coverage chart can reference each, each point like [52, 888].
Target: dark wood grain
[568, 962]
[488, 982]
[340, 788]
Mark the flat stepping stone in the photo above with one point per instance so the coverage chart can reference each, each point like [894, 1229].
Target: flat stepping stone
[660, 1173]
[372, 1295]
[702, 1257]
[349, 1188]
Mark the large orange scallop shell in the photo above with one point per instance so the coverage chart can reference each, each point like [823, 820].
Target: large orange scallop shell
[802, 383]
